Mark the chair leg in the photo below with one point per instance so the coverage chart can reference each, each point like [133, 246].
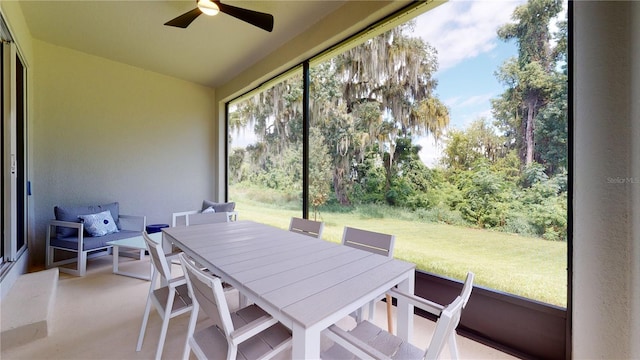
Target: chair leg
[232, 352]
[372, 310]
[82, 263]
[165, 323]
[453, 346]
[191, 329]
[145, 318]
[49, 254]
[389, 314]
[359, 315]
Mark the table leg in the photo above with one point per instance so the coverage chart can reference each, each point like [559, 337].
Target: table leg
[405, 310]
[115, 259]
[305, 343]
[116, 269]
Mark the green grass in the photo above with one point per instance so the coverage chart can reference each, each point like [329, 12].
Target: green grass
[525, 266]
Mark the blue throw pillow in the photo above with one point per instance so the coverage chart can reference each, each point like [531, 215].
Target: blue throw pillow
[99, 224]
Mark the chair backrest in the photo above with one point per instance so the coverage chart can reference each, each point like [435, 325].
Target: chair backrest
[158, 258]
[466, 289]
[306, 227]
[445, 328]
[371, 241]
[207, 218]
[180, 218]
[207, 291]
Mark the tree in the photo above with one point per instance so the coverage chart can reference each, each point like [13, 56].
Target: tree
[364, 98]
[388, 90]
[552, 126]
[319, 171]
[236, 159]
[529, 78]
[465, 147]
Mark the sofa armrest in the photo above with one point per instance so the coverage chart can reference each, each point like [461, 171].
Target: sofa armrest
[70, 224]
[55, 223]
[132, 222]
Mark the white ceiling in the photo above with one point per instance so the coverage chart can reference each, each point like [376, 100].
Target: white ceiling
[211, 51]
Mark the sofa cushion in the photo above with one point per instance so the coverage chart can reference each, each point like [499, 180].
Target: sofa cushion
[91, 243]
[71, 213]
[99, 224]
[218, 207]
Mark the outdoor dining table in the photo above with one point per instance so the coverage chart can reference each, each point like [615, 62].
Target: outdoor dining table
[308, 284]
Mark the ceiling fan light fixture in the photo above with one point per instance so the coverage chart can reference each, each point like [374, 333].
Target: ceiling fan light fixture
[208, 7]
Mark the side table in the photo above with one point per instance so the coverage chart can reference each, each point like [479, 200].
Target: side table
[134, 243]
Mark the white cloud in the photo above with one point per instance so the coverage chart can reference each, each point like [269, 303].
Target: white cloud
[468, 109]
[462, 29]
[481, 99]
[431, 151]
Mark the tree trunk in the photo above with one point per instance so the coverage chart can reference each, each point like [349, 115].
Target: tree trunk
[529, 132]
[339, 187]
[387, 168]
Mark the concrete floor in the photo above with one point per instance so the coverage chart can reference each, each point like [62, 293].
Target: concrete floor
[99, 316]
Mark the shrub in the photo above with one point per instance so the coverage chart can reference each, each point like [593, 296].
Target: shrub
[519, 223]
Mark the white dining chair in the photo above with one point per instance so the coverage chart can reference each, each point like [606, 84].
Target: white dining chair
[170, 299]
[248, 333]
[180, 218]
[207, 218]
[306, 227]
[377, 243]
[367, 340]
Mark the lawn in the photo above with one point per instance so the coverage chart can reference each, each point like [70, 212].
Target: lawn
[526, 266]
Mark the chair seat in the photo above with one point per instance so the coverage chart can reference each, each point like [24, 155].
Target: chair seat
[212, 343]
[181, 301]
[369, 341]
[274, 336]
[391, 346]
[248, 333]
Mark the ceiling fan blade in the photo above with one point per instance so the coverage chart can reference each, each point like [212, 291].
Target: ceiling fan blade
[185, 19]
[256, 18]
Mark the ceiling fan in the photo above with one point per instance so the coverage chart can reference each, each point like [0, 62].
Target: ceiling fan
[213, 7]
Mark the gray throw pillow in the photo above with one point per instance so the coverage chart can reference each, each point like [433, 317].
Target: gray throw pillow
[218, 207]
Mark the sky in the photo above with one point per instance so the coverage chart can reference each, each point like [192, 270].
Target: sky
[464, 32]
[469, 53]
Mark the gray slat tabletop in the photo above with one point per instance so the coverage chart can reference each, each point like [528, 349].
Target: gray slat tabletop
[306, 283]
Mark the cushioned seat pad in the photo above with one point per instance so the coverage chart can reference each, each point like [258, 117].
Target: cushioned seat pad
[90, 242]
